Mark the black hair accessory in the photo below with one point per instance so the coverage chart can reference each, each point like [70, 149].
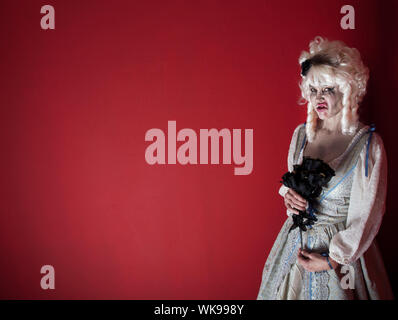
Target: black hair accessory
[305, 66]
[315, 60]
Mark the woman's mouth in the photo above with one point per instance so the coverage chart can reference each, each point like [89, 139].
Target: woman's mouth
[321, 107]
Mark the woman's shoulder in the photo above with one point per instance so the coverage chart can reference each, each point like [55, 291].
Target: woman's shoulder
[373, 149]
[374, 137]
[300, 126]
[297, 136]
[377, 145]
[298, 131]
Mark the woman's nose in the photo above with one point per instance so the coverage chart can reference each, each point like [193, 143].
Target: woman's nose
[319, 95]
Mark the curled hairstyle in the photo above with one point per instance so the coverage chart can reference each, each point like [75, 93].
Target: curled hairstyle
[333, 63]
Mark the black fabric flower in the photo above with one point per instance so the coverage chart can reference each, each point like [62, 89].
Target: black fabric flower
[307, 179]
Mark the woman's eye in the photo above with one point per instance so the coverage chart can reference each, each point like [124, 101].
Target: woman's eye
[312, 90]
[328, 90]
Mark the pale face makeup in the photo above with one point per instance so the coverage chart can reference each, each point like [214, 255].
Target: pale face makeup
[326, 100]
[325, 97]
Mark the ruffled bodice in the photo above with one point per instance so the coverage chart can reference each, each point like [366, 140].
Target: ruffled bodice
[333, 203]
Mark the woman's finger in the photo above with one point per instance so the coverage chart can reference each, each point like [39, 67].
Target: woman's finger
[294, 200]
[290, 208]
[302, 261]
[297, 196]
[305, 254]
[296, 205]
[293, 210]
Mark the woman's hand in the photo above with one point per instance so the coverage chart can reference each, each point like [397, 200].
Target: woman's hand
[294, 201]
[314, 262]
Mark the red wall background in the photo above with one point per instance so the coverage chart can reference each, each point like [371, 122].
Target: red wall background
[76, 102]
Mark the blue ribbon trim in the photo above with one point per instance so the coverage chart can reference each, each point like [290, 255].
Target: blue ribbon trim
[341, 180]
[310, 275]
[305, 138]
[371, 130]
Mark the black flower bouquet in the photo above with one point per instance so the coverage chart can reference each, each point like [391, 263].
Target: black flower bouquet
[307, 179]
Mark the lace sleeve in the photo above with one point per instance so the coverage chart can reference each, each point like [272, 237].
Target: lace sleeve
[292, 149]
[367, 205]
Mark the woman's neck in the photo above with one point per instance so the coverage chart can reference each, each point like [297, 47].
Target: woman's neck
[330, 125]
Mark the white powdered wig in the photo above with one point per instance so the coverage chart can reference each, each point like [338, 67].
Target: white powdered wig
[345, 70]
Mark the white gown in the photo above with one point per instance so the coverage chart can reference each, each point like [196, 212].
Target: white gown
[349, 212]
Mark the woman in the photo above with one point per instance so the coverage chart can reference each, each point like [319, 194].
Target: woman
[341, 259]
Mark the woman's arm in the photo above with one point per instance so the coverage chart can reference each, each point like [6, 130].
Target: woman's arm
[292, 148]
[367, 205]
[283, 189]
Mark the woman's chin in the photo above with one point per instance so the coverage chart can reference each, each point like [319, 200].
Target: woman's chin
[322, 115]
